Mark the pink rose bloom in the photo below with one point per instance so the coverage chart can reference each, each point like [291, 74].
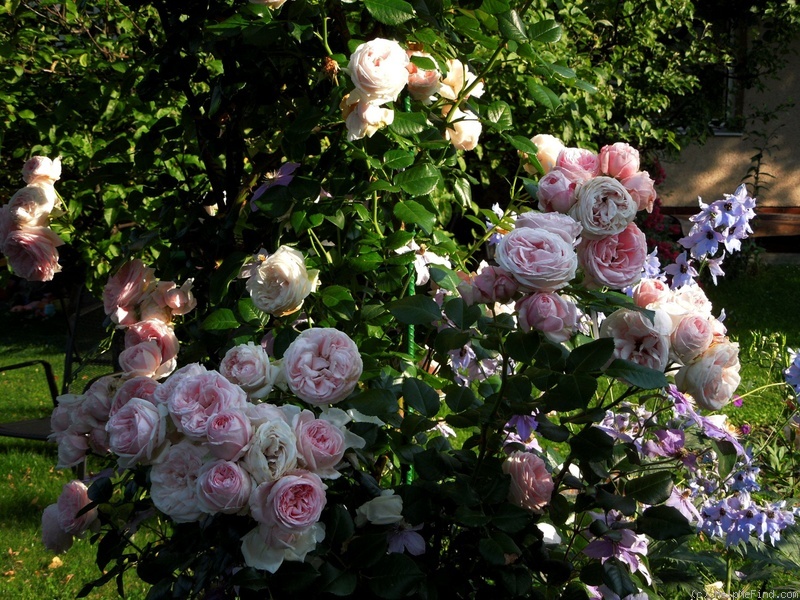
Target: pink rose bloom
[531, 483]
[364, 119]
[651, 292]
[75, 496]
[180, 300]
[578, 164]
[7, 224]
[228, 434]
[72, 449]
[556, 192]
[642, 189]
[272, 452]
[163, 392]
[263, 412]
[292, 504]
[144, 360]
[137, 387]
[712, 379]
[223, 487]
[549, 148]
[619, 160]
[615, 261]
[125, 290]
[691, 338]
[322, 366]
[198, 398]
[555, 316]
[320, 444]
[54, 538]
[540, 259]
[154, 331]
[174, 482]
[41, 169]
[98, 440]
[32, 253]
[422, 83]
[563, 225]
[464, 128]
[249, 367]
[603, 207]
[377, 69]
[31, 206]
[637, 339]
[136, 433]
[97, 399]
[489, 285]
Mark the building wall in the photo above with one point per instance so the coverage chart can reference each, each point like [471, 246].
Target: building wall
[719, 165]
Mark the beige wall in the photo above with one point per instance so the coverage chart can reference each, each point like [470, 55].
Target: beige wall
[719, 165]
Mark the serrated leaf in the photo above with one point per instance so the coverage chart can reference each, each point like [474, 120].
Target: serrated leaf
[495, 7]
[499, 115]
[398, 159]
[390, 12]
[423, 62]
[375, 402]
[407, 124]
[523, 144]
[543, 95]
[511, 26]
[547, 31]
[420, 180]
[220, 319]
[462, 191]
[413, 213]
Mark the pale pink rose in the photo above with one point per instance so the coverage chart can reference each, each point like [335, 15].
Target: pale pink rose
[386, 509]
[539, 259]
[199, 397]
[173, 481]
[223, 487]
[228, 434]
[320, 445]
[692, 337]
[41, 169]
[615, 261]
[74, 497]
[272, 452]
[651, 292]
[642, 189]
[619, 160]
[638, 339]
[377, 69]
[531, 483]
[263, 412]
[603, 207]
[556, 192]
[280, 284]
[141, 360]
[136, 387]
[32, 254]
[31, 206]
[61, 417]
[459, 77]
[555, 316]
[712, 379]
[489, 285]
[692, 299]
[293, 503]
[422, 83]
[7, 224]
[322, 365]
[363, 119]
[249, 367]
[563, 225]
[578, 164]
[98, 397]
[463, 129]
[72, 449]
[137, 432]
[54, 538]
[549, 147]
[98, 440]
[163, 392]
[180, 300]
[267, 547]
[154, 331]
[125, 290]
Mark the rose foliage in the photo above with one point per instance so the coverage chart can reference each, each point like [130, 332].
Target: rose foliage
[339, 373]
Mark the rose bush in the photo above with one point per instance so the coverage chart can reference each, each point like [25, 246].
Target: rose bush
[350, 409]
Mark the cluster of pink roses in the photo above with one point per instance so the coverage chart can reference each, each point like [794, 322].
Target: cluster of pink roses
[144, 307]
[380, 69]
[25, 235]
[213, 449]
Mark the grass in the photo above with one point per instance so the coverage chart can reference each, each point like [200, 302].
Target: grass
[759, 315]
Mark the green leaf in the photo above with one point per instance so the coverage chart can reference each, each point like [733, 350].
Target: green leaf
[416, 310]
[444, 277]
[653, 488]
[459, 398]
[511, 518]
[495, 7]
[413, 213]
[339, 300]
[499, 114]
[375, 402]
[335, 581]
[663, 523]
[460, 314]
[571, 392]
[220, 319]
[424, 63]
[511, 26]
[420, 180]
[616, 576]
[391, 12]
[398, 159]
[635, 374]
[726, 457]
[492, 552]
[450, 339]
[395, 576]
[523, 346]
[543, 95]
[462, 190]
[421, 397]
[250, 314]
[407, 124]
[592, 356]
[547, 31]
[592, 444]
[523, 144]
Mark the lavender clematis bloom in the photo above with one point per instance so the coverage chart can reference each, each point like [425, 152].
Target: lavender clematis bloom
[282, 177]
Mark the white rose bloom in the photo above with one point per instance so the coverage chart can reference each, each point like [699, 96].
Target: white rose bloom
[549, 148]
[386, 509]
[280, 284]
[365, 118]
[604, 207]
[266, 548]
[249, 367]
[31, 206]
[458, 77]
[174, 482]
[713, 378]
[272, 452]
[464, 128]
[378, 71]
